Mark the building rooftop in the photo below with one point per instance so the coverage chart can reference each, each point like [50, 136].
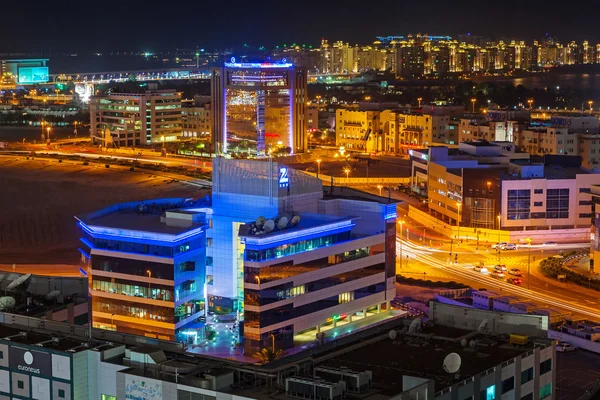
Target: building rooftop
[307, 221]
[149, 216]
[550, 172]
[422, 355]
[54, 342]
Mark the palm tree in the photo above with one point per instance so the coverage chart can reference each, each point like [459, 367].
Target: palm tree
[266, 355]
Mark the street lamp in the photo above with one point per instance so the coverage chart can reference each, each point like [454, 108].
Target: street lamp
[48, 131]
[419, 100]
[528, 259]
[318, 167]
[347, 171]
[379, 187]
[162, 139]
[473, 104]
[458, 204]
[530, 101]
[590, 104]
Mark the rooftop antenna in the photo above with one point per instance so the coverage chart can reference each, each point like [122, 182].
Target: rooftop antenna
[452, 363]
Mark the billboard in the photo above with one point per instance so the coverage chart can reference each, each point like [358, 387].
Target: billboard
[30, 361]
[139, 388]
[33, 75]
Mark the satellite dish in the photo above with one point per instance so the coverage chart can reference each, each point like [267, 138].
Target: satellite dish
[260, 221]
[295, 221]
[464, 343]
[415, 326]
[52, 295]
[452, 363]
[282, 223]
[7, 302]
[483, 327]
[393, 334]
[19, 281]
[269, 225]
[472, 344]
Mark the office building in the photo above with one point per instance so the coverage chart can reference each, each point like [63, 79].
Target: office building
[133, 119]
[259, 107]
[27, 71]
[332, 258]
[358, 130]
[410, 61]
[146, 267]
[196, 122]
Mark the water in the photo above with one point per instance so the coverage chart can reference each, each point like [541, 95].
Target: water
[577, 81]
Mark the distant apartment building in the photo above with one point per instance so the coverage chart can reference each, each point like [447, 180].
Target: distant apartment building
[479, 129]
[196, 122]
[388, 131]
[133, 119]
[312, 120]
[410, 61]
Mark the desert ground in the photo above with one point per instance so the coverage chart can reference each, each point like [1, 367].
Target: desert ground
[39, 199]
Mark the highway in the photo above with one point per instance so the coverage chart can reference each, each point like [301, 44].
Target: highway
[434, 264]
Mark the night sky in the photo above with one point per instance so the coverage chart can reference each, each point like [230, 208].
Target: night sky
[66, 25]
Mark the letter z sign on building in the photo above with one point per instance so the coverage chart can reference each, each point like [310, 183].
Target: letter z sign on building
[30, 362]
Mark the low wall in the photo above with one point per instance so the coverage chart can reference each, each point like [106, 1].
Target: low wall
[371, 181]
[575, 341]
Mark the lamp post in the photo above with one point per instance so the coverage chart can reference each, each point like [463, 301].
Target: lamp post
[318, 167]
[419, 100]
[530, 102]
[473, 105]
[162, 139]
[48, 135]
[347, 171]
[528, 259]
[458, 204]
[590, 104]
[379, 187]
[401, 222]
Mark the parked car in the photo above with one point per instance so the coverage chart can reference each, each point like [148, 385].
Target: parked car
[510, 246]
[514, 281]
[499, 245]
[500, 267]
[498, 274]
[564, 347]
[515, 272]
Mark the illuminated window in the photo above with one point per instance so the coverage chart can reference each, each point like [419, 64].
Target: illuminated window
[345, 297]
[488, 394]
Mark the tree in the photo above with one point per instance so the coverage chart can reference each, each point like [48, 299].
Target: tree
[266, 355]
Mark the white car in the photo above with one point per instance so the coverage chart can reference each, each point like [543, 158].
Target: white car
[499, 245]
[509, 246]
[484, 270]
[564, 347]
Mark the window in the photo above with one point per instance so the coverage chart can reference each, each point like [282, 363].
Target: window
[538, 203]
[585, 190]
[586, 215]
[557, 203]
[61, 393]
[21, 384]
[545, 366]
[108, 397]
[209, 242]
[538, 191]
[526, 375]
[546, 391]
[519, 203]
[209, 279]
[488, 394]
[540, 215]
[508, 384]
[585, 202]
[1, 355]
[345, 297]
[528, 396]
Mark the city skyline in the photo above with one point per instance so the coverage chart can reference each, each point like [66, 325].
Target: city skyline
[73, 27]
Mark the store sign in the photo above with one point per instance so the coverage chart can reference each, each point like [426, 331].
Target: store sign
[284, 179]
[31, 362]
[138, 388]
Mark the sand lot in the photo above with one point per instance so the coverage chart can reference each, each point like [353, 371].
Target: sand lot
[39, 199]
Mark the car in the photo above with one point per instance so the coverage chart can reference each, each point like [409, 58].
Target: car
[499, 245]
[514, 281]
[484, 270]
[515, 272]
[476, 268]
[550, 244]
[311, 169]
[500, 267]
[509, 246]
[564, 347]
[498, 274]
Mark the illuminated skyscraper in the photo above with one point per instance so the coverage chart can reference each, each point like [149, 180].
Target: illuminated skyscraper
[259, 107]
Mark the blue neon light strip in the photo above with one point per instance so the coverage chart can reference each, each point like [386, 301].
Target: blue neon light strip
[139, 235]
[258, 65]
[84, 253]
[292, 235]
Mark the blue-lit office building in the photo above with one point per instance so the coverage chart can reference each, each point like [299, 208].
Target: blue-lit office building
[292, 258]
[146, 263]
[258, 107]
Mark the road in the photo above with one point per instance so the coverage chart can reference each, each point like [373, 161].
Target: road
[434, 264]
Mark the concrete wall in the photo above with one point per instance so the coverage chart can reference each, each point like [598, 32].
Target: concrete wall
[498, 322]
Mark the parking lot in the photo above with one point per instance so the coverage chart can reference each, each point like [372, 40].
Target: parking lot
[576, 372]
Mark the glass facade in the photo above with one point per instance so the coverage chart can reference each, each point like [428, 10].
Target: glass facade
[296, 247]
[519, 204]
[288, 269]
[557, 203]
